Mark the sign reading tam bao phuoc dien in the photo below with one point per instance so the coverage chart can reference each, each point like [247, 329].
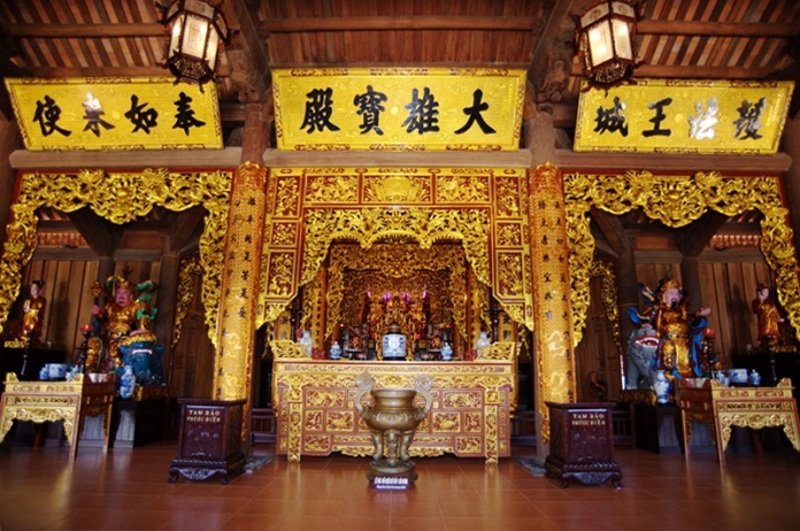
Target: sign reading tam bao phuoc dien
[115, 114]
[398, 109]
[736, 117]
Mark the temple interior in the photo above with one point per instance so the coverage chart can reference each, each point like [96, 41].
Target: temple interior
[578, 266]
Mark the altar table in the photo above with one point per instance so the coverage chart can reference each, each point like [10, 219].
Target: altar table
[470, 416]
[752, 407]
[70, 402]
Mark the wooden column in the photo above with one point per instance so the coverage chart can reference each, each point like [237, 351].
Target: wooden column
[233, 370]
[10, 140]
[690, 281]
[553, 352]
[791, 181]
[555, 356]
[236, 330]
[167, 301]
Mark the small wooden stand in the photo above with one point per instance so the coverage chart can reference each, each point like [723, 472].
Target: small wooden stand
[209, 441]
[582, 444]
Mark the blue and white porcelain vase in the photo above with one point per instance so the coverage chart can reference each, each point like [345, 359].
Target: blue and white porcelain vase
[336, 351]
[661, 387]
[127, 382]
[447, 352]
[754, 378]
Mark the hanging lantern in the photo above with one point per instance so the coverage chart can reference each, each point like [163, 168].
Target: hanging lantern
[196, 30]
[606, 42]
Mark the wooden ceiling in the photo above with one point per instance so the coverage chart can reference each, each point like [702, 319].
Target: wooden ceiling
[686, 39]
[709, 39]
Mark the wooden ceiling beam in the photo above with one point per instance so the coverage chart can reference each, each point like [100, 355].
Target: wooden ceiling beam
[698, 234]
[613, 231]
[650, 27]
[108, 71]
[716, 29]
[697, 72]
[187, 228]
[544, 44]
[378, 23]
[67, 31]
[98, 233]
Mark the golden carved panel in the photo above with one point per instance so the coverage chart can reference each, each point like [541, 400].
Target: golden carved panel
[340, 421]
[462, 189]
[284, 234]
[286, 200]
[332, 189]
[316, 413]
[305, 195]
[397, 189]
[446, 422]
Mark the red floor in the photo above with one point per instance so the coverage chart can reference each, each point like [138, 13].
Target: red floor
[128, 489]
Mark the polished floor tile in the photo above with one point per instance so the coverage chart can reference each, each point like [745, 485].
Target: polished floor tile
[128, 490]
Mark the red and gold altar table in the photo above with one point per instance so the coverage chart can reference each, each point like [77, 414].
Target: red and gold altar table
[470, 416]
[751, 407]
[70, 402]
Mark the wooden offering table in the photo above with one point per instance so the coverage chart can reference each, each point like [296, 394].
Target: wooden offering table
[750, 407]
[470, 416]
[70, 402]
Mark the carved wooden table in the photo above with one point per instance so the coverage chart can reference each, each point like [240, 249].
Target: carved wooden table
[750, 407]
[70, 402]
[470, 416]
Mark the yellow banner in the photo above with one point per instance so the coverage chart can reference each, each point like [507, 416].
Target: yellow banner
[399, 109]
[735, 117]
[115, 114]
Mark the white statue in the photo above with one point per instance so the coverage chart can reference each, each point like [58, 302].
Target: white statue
[306, 343]
[482, 344]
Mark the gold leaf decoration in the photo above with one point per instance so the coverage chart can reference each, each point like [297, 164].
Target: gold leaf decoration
[120, 198]
[676, 200]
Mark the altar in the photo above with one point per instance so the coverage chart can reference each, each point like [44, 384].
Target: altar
[71, 402]
[470, 416]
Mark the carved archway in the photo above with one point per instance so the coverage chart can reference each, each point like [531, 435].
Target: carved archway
[677, 200]
[119, 197]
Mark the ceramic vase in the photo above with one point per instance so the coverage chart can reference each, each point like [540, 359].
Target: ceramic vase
[127, 382]
[336, 351]
[447, 352]
[661, 387]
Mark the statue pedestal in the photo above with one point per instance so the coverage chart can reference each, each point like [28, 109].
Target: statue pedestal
[582, 444]
[209, 441]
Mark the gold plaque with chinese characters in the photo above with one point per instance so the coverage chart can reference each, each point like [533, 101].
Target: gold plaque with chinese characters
[684, 116]
[415, 109]
[112, 114]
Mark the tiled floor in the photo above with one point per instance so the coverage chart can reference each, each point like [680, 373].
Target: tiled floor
[128, 489]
